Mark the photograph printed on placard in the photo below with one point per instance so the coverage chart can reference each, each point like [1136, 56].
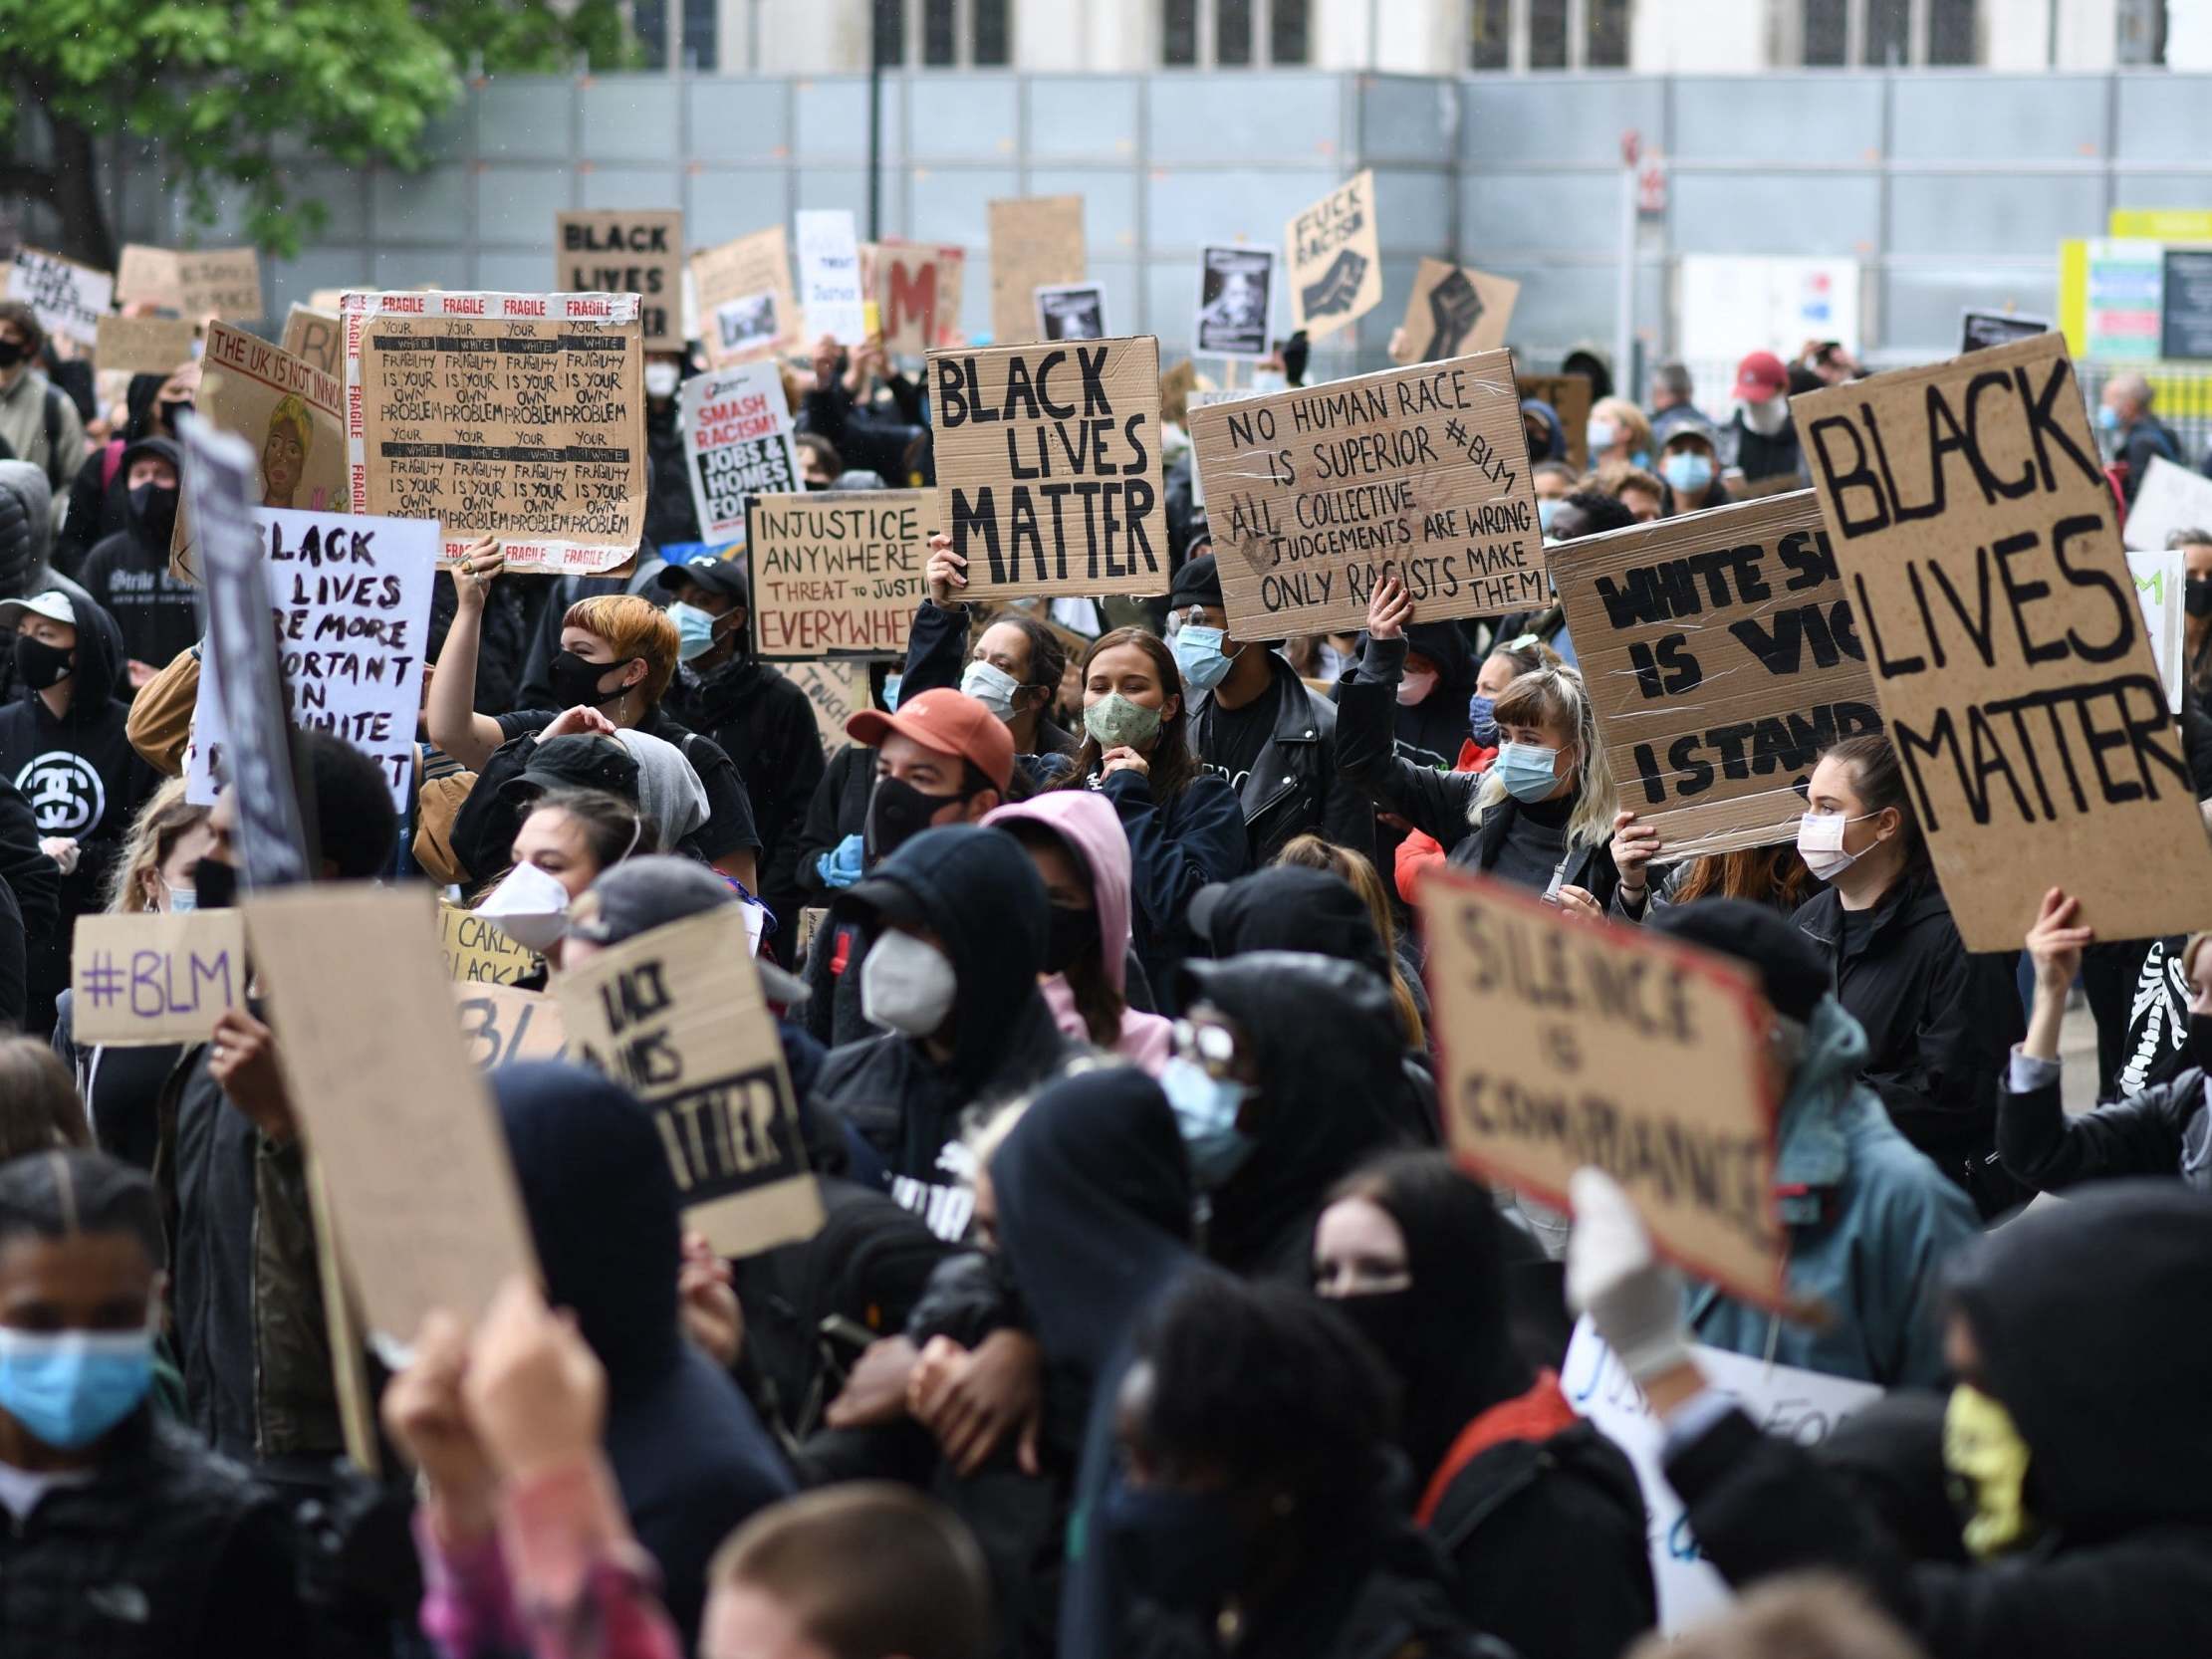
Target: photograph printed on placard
[1072, 311]
[748, 323]
[1235, 286]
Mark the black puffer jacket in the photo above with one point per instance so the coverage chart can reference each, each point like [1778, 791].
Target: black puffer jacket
[170, 1553]
[1939, 1021]
[982, 897]
[2093, 1322]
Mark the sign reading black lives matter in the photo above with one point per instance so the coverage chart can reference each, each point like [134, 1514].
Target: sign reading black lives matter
[521, 415]
[1048, 467]
[1978, 538]
[1318, 493]
[1720, 652]
[676, 1017]
[240, 652]
[638, 253]
[1606, 1045]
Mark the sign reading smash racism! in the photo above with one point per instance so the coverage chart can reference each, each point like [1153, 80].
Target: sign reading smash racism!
[737, 438]
[836, 573]
[1318, 493]
[1048, 467]
[1568, 1044]
[1980, 542]
[1720, 652]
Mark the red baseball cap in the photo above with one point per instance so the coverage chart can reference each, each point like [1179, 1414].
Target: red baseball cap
[951, 724]
[1759, 377]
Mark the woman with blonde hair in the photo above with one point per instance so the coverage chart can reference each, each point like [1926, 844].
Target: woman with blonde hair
[119, 1086]
[1617, 435]
[1540, 817]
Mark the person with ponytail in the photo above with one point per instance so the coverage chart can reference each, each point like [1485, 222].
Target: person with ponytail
[1184, 826]
[1539, 816]
[1939, 1020]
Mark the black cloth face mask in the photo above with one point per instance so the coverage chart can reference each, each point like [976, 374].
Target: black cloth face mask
[897, 812]
[575, 681]
[38, 664]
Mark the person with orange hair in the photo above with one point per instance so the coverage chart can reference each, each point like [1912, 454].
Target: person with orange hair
[617, 655]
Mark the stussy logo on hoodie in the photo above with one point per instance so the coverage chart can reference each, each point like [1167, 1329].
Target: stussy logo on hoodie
[64, 788]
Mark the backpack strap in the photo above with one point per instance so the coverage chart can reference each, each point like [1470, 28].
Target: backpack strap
[111, 463]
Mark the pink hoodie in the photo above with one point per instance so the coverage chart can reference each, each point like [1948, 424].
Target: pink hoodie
[1093, 831]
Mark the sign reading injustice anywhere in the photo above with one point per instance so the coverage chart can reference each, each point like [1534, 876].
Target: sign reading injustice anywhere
[676, 1017]
[516, 414]
[70, 299]
[350, 599]
[1336, 268]
[1318, 493]
[1574, 1044]
[1048, 467]
[399, 1121]
[627, 253]
[1979, 540]
[239, 657]
[737, 438]
[155, 978]
[836, 573]
[1721, 657]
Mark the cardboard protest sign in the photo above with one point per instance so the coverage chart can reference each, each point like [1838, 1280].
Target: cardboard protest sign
[521, 415]
[316, 338]
[917, 293]
[836, 573]
[831, 293]
[157, 977]
[628, 251]
[239, 655]
[144, 344]
[747, 305]
[1568, 1044]
[350, 600]
[477, 952]
[676, 1017]
[836, 691]
[2170, 498]
[220, 282]
[1048, 467]
[1071, 310]
[1980, 543]
[1801, 1406]
[148, 276]
[1318, 493]
[1456, 310]
[503, 1026]
[2161, 588]
[1236, 292]
[70, 299]
[1206, 400]
[289, 410]
[1336, 260]
[1721, 659]
[1571, 397]
[399, 1121]
[1036, 242]
[737, 442]
[1982, 328]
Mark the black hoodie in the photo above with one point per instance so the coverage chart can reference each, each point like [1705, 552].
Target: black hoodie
[2094, 1323]
[99, 497]
[1333, 1089]
[128, 572]
[690, 1455]
[978, 893]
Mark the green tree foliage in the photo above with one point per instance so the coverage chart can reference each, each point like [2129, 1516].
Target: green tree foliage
[228, 92]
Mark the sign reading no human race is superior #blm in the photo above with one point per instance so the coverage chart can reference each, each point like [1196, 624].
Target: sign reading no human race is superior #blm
[1318, 494]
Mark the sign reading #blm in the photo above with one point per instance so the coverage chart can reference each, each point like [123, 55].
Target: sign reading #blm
[1721, 655]
[1568, 1044]
[1981, 545]
[146, 979]
[1048, 467]
[1318, 493]
[678, 1017]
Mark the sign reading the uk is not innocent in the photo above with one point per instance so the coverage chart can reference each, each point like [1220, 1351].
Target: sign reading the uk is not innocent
[1318, 494]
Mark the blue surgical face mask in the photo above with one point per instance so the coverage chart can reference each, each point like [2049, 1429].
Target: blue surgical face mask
[890, 692]
[1206, 1108]
[1482, 719]
[1546, 509]
[1199, 655]
[694, 631]
[69, 1387]
[1529, 770]
[182, 900]
[990, 685]
[2108, 418]
[1688, 473]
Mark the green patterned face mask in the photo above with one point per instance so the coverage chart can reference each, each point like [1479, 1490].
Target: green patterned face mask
[1114, 722]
